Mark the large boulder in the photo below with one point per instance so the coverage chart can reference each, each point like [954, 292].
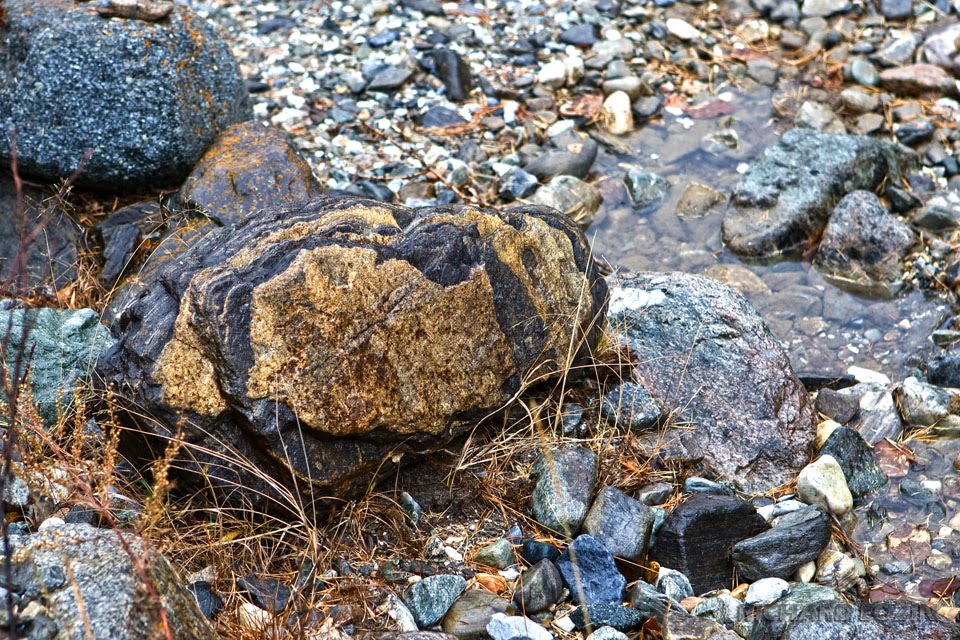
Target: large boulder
[76, 581]
[249, 168]
[147, 97]
[740, 413]
[785, 199]
[317, 343]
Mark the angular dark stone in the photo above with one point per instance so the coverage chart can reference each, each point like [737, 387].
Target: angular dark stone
[620, 523]
[566, 479]
[210, 602]
[533, 551]
[650, 603]
[701, 347]
[267, 593]
[698, 536]
[901, 200]
[440, 117]
[53, 258]
[795, 539]
[121, 239]
[881, 621]
[787, 197]
[454, 72]
[837, 406]
[606, 614]
[590, 572]
[389, 78]
[579, 35]
[944, 368]
[631, 407]
[246, 294]
[915, 132]
[860, 468]
[540, 587]
[147, 99]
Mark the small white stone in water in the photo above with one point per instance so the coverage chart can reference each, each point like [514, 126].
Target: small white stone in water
[686, 123]
[861, 374]
[617, 115]
[742, 168]
[50, 523]
[683, 30]
[766, 591]
[807, 571]
[822, 483]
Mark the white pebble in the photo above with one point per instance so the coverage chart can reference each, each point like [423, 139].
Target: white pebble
[683, 29]
[617, 114]
[766, 591]
[822, 483]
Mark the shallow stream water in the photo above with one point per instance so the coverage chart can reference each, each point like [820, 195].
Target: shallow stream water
[824, 329]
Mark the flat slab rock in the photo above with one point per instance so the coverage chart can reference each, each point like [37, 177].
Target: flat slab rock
[786, 198]
[325, 339]
[702, 349]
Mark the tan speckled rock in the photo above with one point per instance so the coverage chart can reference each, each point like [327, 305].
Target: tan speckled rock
[328, 339]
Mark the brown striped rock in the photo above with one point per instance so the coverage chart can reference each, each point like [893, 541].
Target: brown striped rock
[320, 342]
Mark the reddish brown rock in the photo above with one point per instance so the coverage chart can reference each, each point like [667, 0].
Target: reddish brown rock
[249, 168]
[919, 80]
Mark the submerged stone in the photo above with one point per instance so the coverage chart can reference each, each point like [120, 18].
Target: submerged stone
[786, 198]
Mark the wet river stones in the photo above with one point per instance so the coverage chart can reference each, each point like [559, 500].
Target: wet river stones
[318, 342]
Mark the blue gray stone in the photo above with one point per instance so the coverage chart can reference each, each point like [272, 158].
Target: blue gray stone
[431, 598]
[590, 573]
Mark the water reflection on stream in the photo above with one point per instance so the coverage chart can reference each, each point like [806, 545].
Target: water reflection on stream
[824, 329]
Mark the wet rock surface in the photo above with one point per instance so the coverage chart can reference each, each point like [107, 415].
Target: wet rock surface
[242, 390]
[700, 347]
[794, 540]
[66, 89]
[787, 197]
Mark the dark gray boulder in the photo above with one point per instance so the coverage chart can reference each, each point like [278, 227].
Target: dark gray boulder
[795, 539]
[305, 345]
[61, 348]
[698, 536]
[540, 587]
[85, 583]
[863, 246]
[785, 198]
[147, 98]
[701, 348]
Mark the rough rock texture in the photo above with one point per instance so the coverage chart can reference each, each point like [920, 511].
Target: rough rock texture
[323, 339]
[855, 458]
[622, 524]
[697, 537]
[249, 168]
[795, 539]
[881, 621]
[53, 257]
[431, 598]
[87, 585]
[772, 620]
[469, 616]
[919, 80]
[863, 245]
[62, 347]
[590, 573]
[787, 197]
[540, 587]
[148, 98]
[701, 348]
[566, 479]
